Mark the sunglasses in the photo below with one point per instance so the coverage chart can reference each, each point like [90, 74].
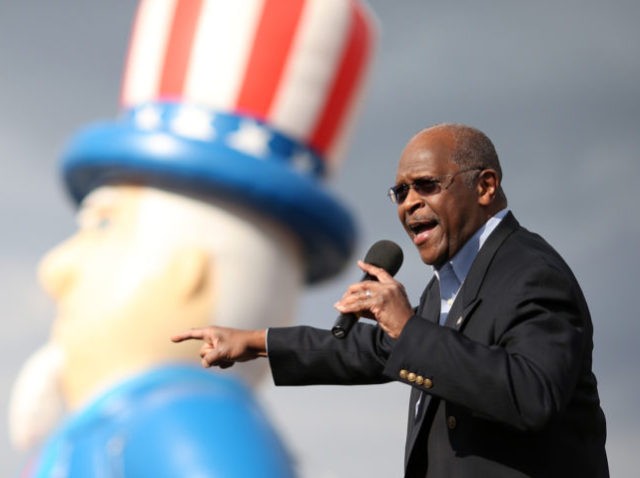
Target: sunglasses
[425, 186]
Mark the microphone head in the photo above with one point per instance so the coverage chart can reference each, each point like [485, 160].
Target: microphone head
[385, 254]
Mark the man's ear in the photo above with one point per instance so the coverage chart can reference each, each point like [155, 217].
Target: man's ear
[190, 271]
[487, 186]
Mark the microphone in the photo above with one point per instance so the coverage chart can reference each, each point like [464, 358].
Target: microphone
[384, 254]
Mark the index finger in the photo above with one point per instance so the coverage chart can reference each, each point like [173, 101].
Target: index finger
[192, 334]
[378, 272]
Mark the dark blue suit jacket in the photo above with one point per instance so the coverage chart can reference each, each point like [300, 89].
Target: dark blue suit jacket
[505, 389]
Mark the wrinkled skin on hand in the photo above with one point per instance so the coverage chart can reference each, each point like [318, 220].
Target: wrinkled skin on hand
[384, 300]
[222, 346]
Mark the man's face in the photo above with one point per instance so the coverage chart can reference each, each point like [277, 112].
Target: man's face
[439, 224]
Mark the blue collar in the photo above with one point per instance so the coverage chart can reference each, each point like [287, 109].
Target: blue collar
[462, 261]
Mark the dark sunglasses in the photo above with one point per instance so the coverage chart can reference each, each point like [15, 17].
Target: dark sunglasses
[425, 186]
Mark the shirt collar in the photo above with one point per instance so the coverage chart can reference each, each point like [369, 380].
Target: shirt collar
[462, 261]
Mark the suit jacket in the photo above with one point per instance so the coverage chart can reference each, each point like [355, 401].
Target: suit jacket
[504, 389]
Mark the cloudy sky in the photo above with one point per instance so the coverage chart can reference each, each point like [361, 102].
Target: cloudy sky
[554, 83]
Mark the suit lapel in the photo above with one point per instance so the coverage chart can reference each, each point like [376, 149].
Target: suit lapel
[459, 314]
[430, 301]
[467, 299]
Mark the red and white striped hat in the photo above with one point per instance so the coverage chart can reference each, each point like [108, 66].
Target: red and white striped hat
[252, 99]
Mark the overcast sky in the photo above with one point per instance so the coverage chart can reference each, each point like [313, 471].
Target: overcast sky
[555, 84]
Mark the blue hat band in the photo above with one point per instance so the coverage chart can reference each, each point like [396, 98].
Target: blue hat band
[247, 136]
[186, 149]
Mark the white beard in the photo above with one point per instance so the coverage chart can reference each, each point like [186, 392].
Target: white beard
[36, 404]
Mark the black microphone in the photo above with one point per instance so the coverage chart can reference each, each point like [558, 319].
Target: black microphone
[384, 254]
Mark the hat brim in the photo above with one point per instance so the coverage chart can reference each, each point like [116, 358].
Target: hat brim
[117, 152]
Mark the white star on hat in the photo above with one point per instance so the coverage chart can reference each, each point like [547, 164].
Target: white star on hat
[250, 138]
[194, 123]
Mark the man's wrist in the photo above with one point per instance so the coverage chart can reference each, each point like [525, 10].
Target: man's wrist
[258, 342]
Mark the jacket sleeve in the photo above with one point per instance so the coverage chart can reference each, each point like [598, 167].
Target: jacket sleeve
[518, 359]
[309, 356]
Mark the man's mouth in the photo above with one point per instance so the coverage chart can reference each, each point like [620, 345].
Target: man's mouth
[421, 229]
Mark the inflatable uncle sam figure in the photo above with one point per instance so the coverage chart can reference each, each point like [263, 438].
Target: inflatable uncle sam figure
[203, 203]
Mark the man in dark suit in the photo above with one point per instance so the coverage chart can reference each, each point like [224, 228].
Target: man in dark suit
[497, 354]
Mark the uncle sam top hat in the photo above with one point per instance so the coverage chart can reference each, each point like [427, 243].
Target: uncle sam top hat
[248, 99]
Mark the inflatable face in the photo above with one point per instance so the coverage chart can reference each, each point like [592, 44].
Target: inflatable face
[145, 263]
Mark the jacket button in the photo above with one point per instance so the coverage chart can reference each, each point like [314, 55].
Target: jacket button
[451, 422]
[411, 377]
[428, 383]
[403, 374]
[419, 380]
